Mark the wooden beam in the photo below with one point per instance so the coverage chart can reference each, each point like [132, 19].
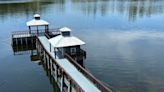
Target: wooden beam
[29, 30]
[50, 47]
[37, 30]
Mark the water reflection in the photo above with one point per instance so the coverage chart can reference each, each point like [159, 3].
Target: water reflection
[31, 50]
[132, 9]
[130, 56]
[24, 8]
[130, 60]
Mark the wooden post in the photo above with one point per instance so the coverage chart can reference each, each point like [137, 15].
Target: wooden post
[37, 30]
[55, 52]
[49, 62]
[16, 41]
[50, 47]
[47, 29]
[45, 61]
[62, 80]
[55, 70]
[12, 40]
[56, 73]
[32, 41]
[51, 65]
[29, 30]
[26, 41]
[50, 68]
[21, 41]
[69, 86]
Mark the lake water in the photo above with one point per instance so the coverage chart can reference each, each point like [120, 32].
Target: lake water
[124, 42]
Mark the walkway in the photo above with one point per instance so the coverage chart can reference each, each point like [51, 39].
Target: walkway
[79, 78]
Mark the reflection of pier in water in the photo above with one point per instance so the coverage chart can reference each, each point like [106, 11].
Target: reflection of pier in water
[32, 51]
[60, 54]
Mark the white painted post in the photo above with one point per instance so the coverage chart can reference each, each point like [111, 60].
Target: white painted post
[51, 65]
[56, 73]
[69, 86]
[47, 62]
[50, 47]
[62, 79]
[44, 59]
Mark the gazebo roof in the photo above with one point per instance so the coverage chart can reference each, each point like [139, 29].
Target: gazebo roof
[65, 29]
[37, 21]
[61, 41]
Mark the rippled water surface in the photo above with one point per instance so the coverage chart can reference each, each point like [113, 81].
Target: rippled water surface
[124, 42]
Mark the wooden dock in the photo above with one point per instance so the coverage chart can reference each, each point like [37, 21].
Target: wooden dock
[69, 75]
[20, 38]
[67, 72]
[64, 60]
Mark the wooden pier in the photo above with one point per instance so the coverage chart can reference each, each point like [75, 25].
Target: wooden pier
[62, 60]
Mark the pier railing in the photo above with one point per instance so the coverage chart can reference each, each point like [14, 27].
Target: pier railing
[87, 74]
[34, 32]
[54, 61]
[97, 83]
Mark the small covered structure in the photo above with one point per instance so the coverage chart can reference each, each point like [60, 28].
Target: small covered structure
[66, 43]
[36, 22]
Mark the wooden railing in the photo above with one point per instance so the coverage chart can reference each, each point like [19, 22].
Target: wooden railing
[48, 33]
[54, 61]
[87, 74]
[51, 34]
[97, 83]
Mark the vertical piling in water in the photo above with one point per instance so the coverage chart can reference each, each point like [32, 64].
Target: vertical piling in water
[21, 41]
[26, 41]
[16, 41]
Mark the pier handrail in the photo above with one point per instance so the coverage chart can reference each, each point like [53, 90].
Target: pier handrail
[54, 61]
[34, 31]
[19, 32]
[87, 74]
[97, 83]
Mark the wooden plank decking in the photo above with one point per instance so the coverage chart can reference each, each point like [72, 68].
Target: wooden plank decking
[84, 81]
[82, 77]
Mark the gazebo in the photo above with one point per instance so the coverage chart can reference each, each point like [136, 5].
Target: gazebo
[36, 22]
[65, 43]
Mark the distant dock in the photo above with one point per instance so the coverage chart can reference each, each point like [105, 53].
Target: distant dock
[61, 54]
